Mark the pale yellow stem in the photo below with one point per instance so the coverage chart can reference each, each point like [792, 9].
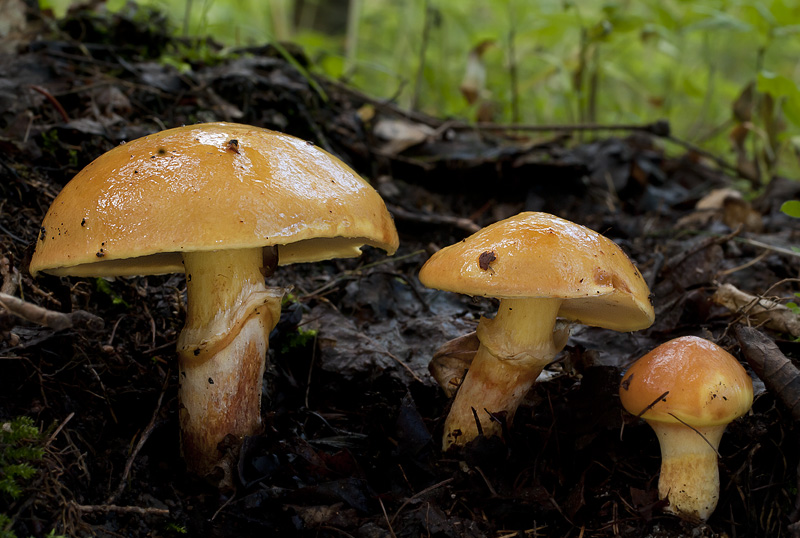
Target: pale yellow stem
[689, 477]
[515, 346]
[222, 351]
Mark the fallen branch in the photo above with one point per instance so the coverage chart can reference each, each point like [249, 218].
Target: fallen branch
[778, 373]
[58, 321]
[658, 128]
[780, 376]
[143, 511]
[457, 222]
[772, 314]
[773, 248]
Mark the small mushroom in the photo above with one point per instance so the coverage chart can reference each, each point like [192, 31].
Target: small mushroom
[224, 203]
[540, 267]
[688, 390]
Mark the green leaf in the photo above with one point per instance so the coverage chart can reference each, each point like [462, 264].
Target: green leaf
[791, 208]
[103, 286]
[779, 86]
[719, 20]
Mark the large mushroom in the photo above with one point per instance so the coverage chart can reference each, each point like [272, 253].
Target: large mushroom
[688, 390]
[224, 203]
[541, 267]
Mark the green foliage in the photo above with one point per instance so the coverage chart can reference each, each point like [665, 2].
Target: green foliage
[602, 61]
[103, 286]
[175, 528]
[5, 522]
[20, 445]
[300, 339]
[20, 448]
[288, 299]
[791, 208]
[782, 87]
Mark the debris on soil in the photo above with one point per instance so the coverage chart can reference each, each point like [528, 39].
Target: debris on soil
[351, 412]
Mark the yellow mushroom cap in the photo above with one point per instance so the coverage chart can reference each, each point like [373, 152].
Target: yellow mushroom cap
[707, 385]
[537, 255]
[136, 208]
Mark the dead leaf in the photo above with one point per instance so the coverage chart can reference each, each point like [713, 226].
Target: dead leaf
[761, 310]
[473, 85]
[452, 360]
[399, 135]
[726, 205]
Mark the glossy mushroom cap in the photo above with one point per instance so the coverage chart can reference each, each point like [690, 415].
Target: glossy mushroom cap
[537, 255]
[706, 385]
[204, 187]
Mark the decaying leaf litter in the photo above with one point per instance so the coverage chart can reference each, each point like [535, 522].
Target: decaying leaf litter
[353, 418]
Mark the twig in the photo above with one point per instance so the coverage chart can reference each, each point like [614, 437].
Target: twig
[58, 430]
[291, 60]
[400, 362]
[654, 402]
[142, 440]
[360, 270]
[49, 96]
[774, 248]
[675, 261]
[143, 511]
[420, 494]
[449, 220]
[311, 369]
[340, 531]
[700, 151]
[386, 517]
[773, 314]
[385, 104]
[697, 432]
[658, 128]
[488, 484]
[57, 321]
[746, 264]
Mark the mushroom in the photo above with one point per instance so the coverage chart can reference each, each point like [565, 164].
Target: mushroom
[688, 390]
[225, 203]
[540, 267]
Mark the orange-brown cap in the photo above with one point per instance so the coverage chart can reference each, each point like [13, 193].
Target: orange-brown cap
[537, 255]
[214, 186]
[705, 385]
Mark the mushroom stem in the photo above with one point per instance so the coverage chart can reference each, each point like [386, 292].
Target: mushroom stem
[222, 351]
[515, 346]
[689, 477]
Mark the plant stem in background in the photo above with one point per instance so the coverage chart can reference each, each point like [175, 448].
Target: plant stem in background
[351, 39]
[426, 31]
[512, 65]
[187, 11]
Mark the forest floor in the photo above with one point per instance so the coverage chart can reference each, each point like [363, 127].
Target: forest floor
[353, 420]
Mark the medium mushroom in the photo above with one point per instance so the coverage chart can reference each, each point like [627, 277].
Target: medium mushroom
[225, 203]
[688, 390]
[541, 267]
